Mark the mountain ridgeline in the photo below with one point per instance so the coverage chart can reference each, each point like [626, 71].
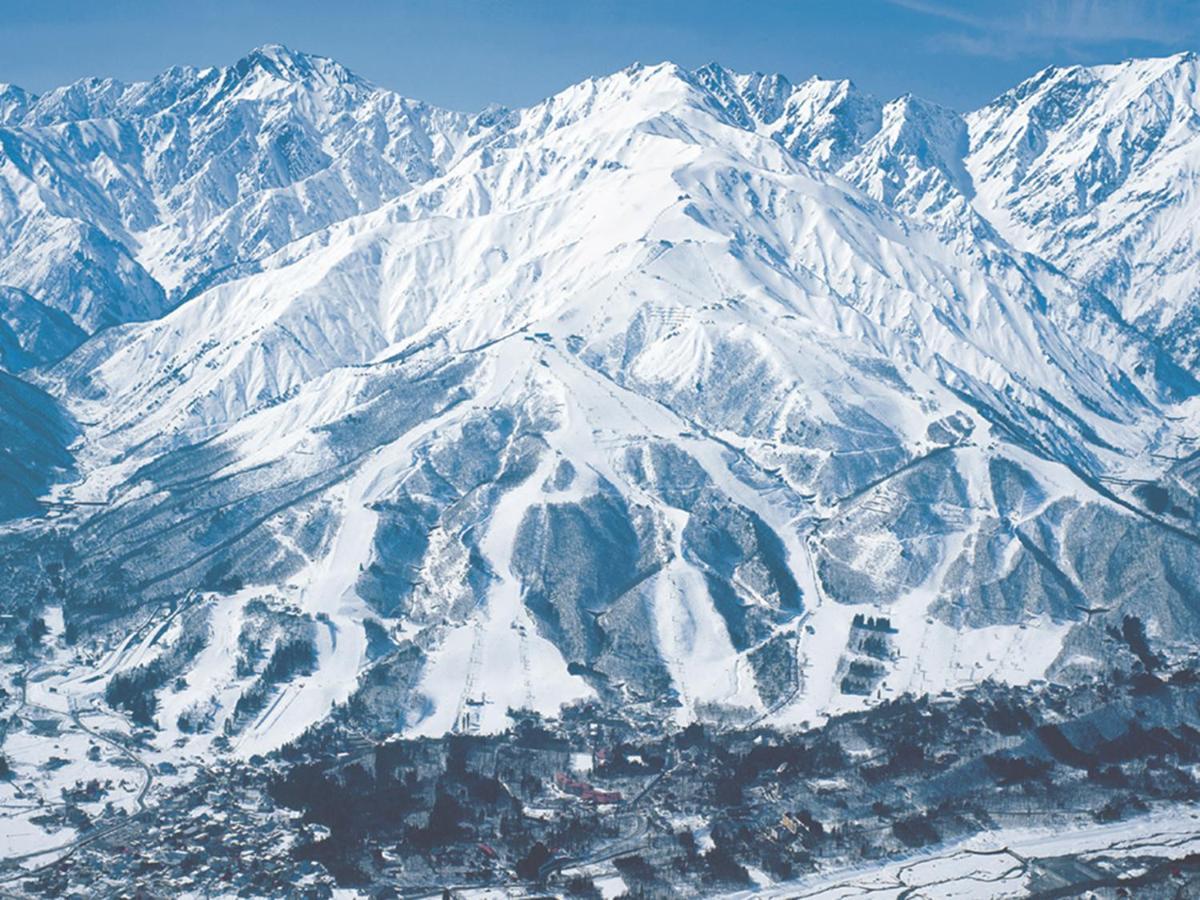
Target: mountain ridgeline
[738, 399]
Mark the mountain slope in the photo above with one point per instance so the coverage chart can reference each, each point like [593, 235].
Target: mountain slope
[1095, 170]
[121, 200]
[630, 398]
[725, 397]
[33, 334]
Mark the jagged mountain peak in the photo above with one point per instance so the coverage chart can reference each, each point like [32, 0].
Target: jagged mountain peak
[753, 98]
[195, 172]
[272, 75]
[1091, 167]
[761, 99]
[907, 150]
[929, 131]
[826, 121]
[636, 79]
[1151, 95]
[269, 73]
[280, 63]
[635, 94]
[15, 102]
[915, 161]
[280, 56]
[1135, 74]
[87, 98]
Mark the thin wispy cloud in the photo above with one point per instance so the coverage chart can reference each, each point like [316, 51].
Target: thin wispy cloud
[1031, 27]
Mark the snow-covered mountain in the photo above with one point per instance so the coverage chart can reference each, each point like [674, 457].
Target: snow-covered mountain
[121, 200]
[1096, 170]
[668, 389]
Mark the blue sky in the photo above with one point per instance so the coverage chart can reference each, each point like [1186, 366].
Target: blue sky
[465, 54]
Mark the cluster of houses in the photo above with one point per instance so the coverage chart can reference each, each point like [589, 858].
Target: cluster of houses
[585, 791]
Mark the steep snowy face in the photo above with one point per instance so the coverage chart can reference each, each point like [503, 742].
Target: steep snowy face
[1095, 169]
[915, 162]
[14, 103]
[33, 334]
[909, 153]
[118, 201]
[641, 393]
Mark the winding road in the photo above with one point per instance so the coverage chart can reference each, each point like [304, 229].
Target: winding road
[63, 851]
